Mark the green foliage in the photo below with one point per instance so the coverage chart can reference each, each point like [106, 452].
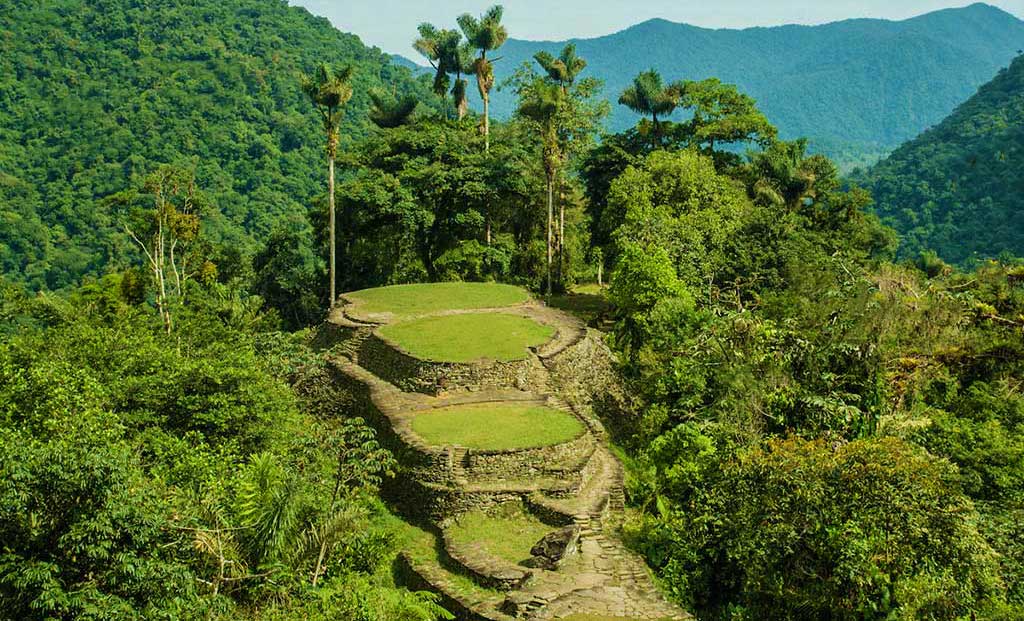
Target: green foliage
[801, 399]
[723, 115]
[954, 189]
[677, 203]
[873, 529]
[177, 477]
[83, 529]
[426, 191]
[289, 276]
[106, 91]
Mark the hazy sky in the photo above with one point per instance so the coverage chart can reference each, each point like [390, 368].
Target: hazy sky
[391, 24]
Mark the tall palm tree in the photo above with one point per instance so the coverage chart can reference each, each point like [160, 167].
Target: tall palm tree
[486, 34]
[388, 111]
[329, 91]
[440, 48]
[562, 71]
[541, 103]
[648, 95]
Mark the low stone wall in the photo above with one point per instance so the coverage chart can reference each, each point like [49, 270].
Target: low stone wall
[419, 578]
[389, 362]
[560, 459]
[486, 570]
[545, 513]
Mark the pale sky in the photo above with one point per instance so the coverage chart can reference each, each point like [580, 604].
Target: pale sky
[391, 24]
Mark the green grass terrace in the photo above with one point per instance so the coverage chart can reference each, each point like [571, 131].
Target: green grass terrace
[507, 532]
[468, 337]
[425, 299]
[497, 426]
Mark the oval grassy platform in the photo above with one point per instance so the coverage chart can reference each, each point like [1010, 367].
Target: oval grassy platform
[422, 299]
[496, 426]
[506, 532]
[468, 337]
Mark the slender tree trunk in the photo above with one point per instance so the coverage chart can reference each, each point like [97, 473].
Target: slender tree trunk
[561, 234]
[320, 561]
[551, 211]
[330, 207]
[487, 122]
[162, 302]
[487, 147]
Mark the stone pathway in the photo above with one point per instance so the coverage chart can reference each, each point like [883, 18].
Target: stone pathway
[579, 484]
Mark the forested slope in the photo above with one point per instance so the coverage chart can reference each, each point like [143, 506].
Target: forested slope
[957, 189]
[857, 88]
[94, 93]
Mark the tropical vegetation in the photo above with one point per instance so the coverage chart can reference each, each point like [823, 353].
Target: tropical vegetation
[817, 422]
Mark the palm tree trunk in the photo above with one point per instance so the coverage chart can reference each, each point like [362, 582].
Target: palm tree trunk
[330, 207]
[561, 236]
[551, 211]
[487, 123]
[487, 148]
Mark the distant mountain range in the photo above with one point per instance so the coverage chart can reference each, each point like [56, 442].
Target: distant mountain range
[857, 88]
[958, 189]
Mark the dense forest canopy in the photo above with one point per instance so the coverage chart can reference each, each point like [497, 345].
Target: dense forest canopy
[956, 189]
[812, 426]
[93, 95]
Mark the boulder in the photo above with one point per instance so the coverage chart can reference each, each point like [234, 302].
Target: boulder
[555, 547]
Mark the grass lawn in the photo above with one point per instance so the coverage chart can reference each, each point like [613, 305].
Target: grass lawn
[469, 337]
[430, 298]
[496, 426]
[506, 532]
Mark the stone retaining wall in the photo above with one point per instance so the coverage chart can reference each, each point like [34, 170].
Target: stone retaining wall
[547, 514]
[418, 578]
[584, 375]
[518, 464]
[486, 570]
[431, 480]
[389, 362]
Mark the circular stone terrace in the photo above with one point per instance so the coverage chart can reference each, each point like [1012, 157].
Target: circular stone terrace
[460, 372]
